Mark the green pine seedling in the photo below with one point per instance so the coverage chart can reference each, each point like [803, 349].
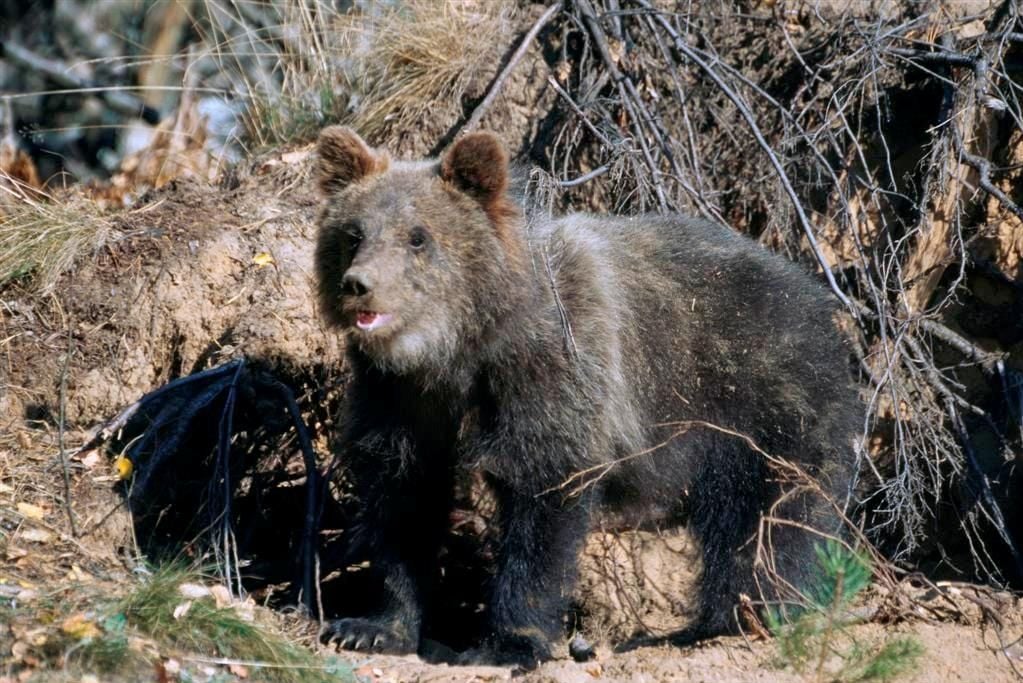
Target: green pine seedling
[816, 639]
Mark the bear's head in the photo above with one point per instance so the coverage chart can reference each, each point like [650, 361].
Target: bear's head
[413, 259]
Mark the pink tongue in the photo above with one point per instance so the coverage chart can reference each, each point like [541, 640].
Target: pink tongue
[366, 318]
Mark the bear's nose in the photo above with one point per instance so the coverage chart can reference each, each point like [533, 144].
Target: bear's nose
[356, 283]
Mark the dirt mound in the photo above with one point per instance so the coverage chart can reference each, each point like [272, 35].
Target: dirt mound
[635, 583]
[195, 277]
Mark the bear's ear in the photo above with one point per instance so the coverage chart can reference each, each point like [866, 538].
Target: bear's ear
[478, 165]
[344, 158]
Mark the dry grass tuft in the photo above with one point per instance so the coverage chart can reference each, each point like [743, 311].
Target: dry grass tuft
[40, 240]
[424, 53]
[386, 68]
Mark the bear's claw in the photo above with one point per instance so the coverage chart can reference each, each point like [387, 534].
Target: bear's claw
[366, 635]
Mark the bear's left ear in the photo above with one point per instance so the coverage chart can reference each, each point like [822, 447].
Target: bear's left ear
[478, 165]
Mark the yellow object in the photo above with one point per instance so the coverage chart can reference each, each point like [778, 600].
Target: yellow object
[79, 626]
[262, 259]
[31, 511]
[123, 466]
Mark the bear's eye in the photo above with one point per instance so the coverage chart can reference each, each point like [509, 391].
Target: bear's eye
[353, 231]
[417, 238]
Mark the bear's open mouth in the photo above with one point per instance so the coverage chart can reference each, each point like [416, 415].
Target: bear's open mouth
[368, 321]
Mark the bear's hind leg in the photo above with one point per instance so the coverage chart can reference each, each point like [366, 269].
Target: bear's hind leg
[726, 507]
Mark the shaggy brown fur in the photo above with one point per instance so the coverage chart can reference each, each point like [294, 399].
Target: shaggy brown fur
[343, 159]
[533, 350]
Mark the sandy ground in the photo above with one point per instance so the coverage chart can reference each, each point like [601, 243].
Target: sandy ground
[953, 653]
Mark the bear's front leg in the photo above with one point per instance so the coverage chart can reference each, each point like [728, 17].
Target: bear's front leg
[541, 536]
[394, 629]
[406, 494]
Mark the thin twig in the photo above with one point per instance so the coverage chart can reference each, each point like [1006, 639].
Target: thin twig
[64, 464]
[566, 324]
[111, 427]
[951, 58]
[225, 430]
[626, 92]
[311, 527]
[983, 168]
[986, 494]
[586, 177]
[987, 360]
[520, 52]
[783, 177]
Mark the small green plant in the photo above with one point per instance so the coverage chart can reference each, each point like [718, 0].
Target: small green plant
[816, 639]
[108, 650]
[120, 637]
[211, 630]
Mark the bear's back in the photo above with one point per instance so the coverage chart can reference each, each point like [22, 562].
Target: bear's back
[691, 321]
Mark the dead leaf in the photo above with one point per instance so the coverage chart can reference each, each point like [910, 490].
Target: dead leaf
[267, 166]
[246, 611]
[562, 71]
[17, 166]
[35, 535]
[616, 48]
[182, 609]
[238, 670]
[14, 553]
[77, 574]
[221, 595]
[90, 458]
[296, 156]
[263, 259]
[79, 626]
[194, 591]
[143, 645]
[19, 650]
[31, 511]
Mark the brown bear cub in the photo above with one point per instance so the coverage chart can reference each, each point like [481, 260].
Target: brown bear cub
[631, 349]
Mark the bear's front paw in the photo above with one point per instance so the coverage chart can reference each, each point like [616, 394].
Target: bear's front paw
[367, 635]
[526, 650]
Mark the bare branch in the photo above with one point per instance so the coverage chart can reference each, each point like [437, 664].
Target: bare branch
[520, 52]
[747, 115]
